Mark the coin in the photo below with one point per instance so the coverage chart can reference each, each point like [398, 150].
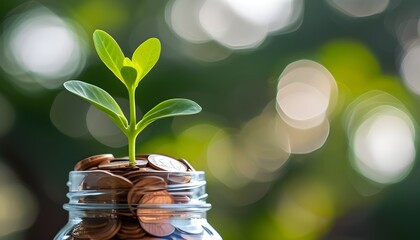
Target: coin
[131, 229]
[146, 184]
[179, 178]
[99, 198]
[114, 164]
[157, 197]
[151, 215]
[189, 166]
[158, 238]
[133, 176]
[114, 182]
[142, 156]
[124, 213]
[158, 229]
[143, 186]
[156, 180]
[96, 229]
[166, 163]
[100, 179]
[95, 223]
[122, 163]
[181, 199]
[141, 163]
[92, 161]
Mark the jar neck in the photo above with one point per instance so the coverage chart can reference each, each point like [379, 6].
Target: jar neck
[98, 193]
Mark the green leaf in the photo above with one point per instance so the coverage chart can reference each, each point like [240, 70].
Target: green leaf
[145, 56]
[129, 74]
[109, 52]
[168, 108]
[100, 99]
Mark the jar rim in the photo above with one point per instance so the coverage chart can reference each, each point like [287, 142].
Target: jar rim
[108, 206]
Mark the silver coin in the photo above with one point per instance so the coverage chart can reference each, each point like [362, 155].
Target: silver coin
[166, 163]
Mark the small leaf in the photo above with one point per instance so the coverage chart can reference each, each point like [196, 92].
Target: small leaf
[129, 75]
[145, 56]
[100, 99]
[109, 52]
[168, 108]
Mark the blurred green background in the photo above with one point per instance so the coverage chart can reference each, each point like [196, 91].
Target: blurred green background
[310, 109]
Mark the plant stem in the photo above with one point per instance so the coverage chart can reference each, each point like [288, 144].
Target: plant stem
[132, 127]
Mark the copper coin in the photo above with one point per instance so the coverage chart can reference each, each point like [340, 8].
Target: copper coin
[92, 161]
[142, 156]
[155, 215]
[145, 185]
[157, 197]
[84, 229]
[114, 165]
[124, 213]
[94, 223]
[158, 238]
[100, 198]
[148, 169]
[116, 229]
[166, 163]
[114, 182]
[131, 229]
[136, 176]
[100, 179]
[132, 175]
[122, 171]
[181, 199]
[158, 229]
[91, 178]
[121, 163]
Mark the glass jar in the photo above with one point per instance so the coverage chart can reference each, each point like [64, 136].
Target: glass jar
[103, 206]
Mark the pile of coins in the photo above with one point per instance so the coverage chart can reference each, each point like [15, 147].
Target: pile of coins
[156, 180]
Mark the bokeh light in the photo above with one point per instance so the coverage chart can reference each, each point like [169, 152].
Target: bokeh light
[256, 154]
[303, 141]
[67, 114]
[277, 15]
[228, 28]
[19, 208]
[360, 8]
[183, 18]
[306, 94]
[40, 49]
[103, 129]
[237, 171]
[220, 160]
[409, 67]
[233, 24]
[306, 90]
[382, 135]
[309, 122]
[304, 210]
[267, 147]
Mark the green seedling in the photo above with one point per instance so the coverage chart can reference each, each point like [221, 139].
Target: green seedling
[130, 72]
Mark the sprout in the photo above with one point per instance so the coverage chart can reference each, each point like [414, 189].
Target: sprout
[130, 72]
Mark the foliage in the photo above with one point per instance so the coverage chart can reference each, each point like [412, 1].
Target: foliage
[130, 72]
